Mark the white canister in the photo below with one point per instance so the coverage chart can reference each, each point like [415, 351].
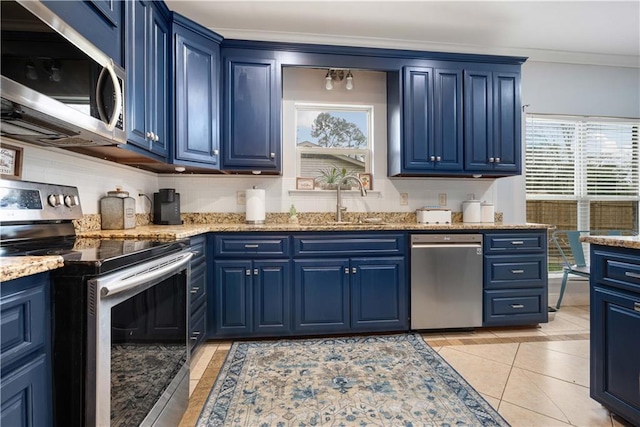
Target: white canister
[487, 212]
[471, 211]
[255, 199]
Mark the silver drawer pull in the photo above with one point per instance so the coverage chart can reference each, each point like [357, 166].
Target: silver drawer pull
[517, 242]
[195, 333]
[346, 270]
[255, 271]
[517, 306]
[195, 290]
[193, 338]
[251, 246]
[517, 271]
[636, 306]
[631, 274]
[247, 272]
[354, 270]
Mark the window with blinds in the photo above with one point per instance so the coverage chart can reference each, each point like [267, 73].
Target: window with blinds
[581, 158]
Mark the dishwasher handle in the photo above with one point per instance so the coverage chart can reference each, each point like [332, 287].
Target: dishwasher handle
[445, 245]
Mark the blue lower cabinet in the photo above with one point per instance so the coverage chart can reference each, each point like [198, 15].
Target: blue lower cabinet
[321, 295]
[378, 294]
[252, 298]
[25, 353]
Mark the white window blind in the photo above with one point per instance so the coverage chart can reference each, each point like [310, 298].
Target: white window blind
[581, 158]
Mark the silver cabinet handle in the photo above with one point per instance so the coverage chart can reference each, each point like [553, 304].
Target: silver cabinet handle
[438, 158]
[247, 272]
[491, 160]
[517, 242]
[636, 306]
[255, 271]
[273, 155]
[354, 270]
[215, 152]
[148, 135]
[195, 289]
[156, 137]
[432, 158]
[517, 306]
[517, 271]
[631, 274]
[497, 159]
[251, 246]
[346, 270]
[196, 254]
[193, 338]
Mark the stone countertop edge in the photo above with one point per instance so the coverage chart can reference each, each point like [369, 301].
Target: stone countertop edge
[629, 242]
[22, 266]
[16, 267]
[172, 232]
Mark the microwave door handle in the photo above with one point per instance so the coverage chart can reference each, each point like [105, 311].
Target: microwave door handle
[118, 91]
[103, 114]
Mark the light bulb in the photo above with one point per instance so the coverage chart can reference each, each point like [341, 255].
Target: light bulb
[349, 84]
[328, 85]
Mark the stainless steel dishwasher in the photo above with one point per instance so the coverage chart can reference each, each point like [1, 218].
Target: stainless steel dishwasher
[446, 281]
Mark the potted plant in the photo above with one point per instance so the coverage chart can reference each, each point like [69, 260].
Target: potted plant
[331, 176]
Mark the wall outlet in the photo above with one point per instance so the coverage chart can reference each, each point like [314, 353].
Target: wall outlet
[442, 199]
[241, 198]
[404, 199]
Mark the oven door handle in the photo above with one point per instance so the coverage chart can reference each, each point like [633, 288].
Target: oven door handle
[131, 282]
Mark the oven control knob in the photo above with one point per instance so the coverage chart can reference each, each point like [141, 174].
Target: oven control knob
[55, 200]
[71, 201]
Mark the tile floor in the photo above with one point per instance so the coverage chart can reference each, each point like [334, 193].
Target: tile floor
[533, 376]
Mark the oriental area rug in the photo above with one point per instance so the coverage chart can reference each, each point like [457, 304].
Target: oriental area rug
[385, 380]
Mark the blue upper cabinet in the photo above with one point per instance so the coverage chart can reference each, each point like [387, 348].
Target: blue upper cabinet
[432, 120]
[197, 97]
[492, 122]
[99, 21]
[251, 100]
[147, 88]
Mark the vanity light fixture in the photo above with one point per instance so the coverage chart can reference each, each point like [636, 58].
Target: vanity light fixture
[335, 75]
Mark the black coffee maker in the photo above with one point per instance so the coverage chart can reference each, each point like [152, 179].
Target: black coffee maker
[166, 207]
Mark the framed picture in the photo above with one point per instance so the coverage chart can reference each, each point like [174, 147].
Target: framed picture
[305, 183]
[10, 162]
[367, 180]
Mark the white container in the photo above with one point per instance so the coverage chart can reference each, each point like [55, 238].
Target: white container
[471, 211]
[487, 212]
[433, 216]
[255, 199]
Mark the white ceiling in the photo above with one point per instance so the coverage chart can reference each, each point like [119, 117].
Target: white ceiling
[587, 32]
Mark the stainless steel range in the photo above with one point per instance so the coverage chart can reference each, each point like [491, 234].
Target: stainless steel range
[119, 328]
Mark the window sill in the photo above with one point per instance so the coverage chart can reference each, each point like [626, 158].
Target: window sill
[332, 193]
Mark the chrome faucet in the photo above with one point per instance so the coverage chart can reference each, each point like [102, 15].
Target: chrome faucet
[339, 208]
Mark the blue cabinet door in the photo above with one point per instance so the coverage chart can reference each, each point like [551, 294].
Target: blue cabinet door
[492, 122]
[251, 135]
[146, 89]
[378, 294]
[26, 395]
[419, 151]
[271, 297]
[99, 21]
[615, 351]
[432, 120]
[197, 115]
[321, 300]
[233, 309]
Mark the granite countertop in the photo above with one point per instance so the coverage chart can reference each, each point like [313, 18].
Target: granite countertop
[15, 267]
[170, 232]
[21, 266]
[631, 242]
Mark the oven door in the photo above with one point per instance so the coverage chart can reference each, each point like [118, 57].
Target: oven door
[140, 347]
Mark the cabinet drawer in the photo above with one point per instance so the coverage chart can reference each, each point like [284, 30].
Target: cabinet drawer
[510, 243]
[515, 271]
[522, 306]
[198, 287]
[251, 246]
[25, 394]
[197, 328]
[349, 244]
[619, 268]
[198, 245]
[23, 323]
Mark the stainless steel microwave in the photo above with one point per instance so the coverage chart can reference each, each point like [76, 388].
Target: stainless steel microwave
[57, 88]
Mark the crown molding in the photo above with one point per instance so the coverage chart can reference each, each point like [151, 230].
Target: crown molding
[539, 55]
